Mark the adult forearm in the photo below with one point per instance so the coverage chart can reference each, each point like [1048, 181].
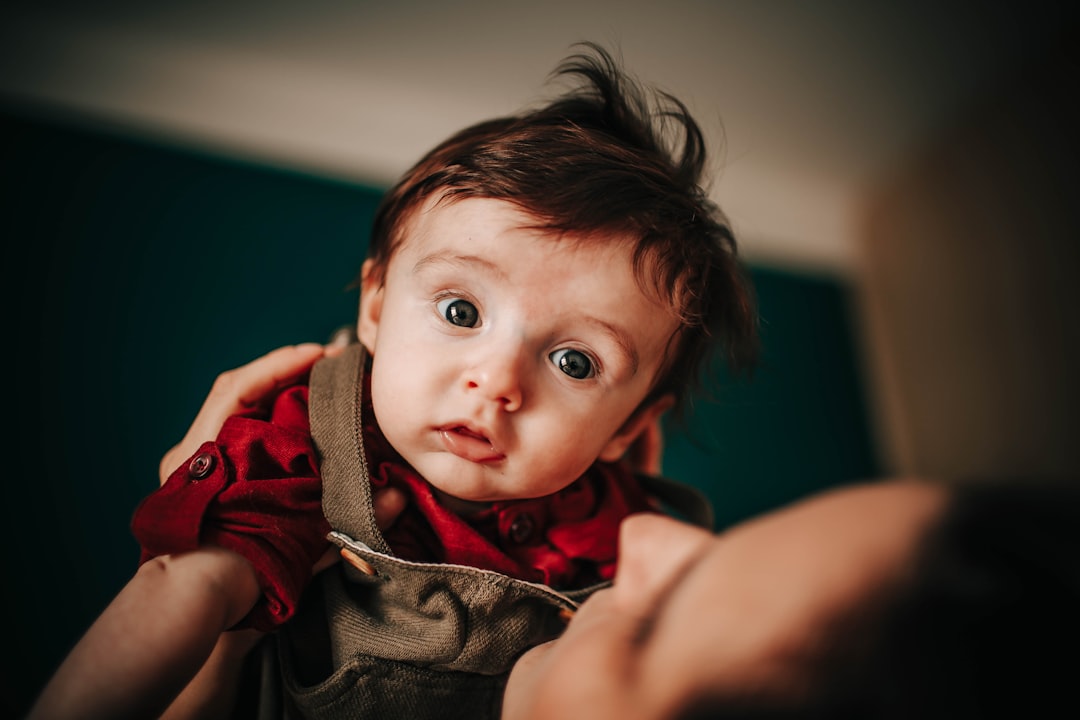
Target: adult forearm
[152, 639]
[212, 693]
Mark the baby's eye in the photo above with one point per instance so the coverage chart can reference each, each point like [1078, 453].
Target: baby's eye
[572, 362]
[459, 312]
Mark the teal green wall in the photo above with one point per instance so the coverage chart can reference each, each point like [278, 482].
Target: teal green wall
[798, 425]
[134, 272]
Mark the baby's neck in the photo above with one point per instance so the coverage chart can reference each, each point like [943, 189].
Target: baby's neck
[463, 508]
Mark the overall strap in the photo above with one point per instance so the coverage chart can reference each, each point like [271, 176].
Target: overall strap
[337, 429]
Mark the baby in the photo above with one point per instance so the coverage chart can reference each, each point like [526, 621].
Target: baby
[539, 290]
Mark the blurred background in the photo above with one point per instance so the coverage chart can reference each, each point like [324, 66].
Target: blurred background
[188, 185]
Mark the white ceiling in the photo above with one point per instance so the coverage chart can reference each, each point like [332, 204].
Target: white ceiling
[817, 100]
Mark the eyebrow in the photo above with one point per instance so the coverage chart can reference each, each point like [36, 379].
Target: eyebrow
[616, 334]
[455, 260]
[620, 338]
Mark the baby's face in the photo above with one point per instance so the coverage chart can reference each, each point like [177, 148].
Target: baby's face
[506, 360]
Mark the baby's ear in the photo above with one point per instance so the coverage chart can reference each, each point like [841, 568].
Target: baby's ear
[642, 424]
[371, 298]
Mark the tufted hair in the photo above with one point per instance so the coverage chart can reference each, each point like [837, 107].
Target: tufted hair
[607, 160]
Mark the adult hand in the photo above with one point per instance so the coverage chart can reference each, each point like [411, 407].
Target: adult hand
[237, 390]
[255, 383]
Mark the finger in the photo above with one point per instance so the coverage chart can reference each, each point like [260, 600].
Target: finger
[329, 558]
[277, 369]
[389, 504]
[240, 389]
[341, 339]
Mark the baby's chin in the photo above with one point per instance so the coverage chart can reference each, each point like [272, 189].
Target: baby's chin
[464, 503]
[459, 505]
[459, 485]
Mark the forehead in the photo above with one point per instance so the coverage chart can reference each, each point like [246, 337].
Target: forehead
[473, 221]
[447, 214]
[443, 229]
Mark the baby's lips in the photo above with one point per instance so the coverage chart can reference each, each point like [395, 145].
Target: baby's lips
[469, 444]
[466, 431]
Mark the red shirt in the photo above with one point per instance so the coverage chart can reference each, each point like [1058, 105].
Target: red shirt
[256, 490]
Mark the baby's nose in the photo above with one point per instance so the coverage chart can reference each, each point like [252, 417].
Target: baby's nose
[498, 376]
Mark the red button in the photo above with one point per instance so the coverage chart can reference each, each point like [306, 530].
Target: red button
[200, 466]
[522, 528]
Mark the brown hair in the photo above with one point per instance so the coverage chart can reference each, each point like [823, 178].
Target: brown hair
[594, 163]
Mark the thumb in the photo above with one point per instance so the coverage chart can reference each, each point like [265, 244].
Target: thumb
[389, 504]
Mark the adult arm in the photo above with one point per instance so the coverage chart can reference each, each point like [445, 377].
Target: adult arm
[164, 624]
[212, 693]
[152, 638]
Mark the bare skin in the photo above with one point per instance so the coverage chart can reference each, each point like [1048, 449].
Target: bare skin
[507, 360]
[690, 610]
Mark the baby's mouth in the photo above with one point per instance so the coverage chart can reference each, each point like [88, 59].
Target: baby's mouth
[462, 430]
[469, 444]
